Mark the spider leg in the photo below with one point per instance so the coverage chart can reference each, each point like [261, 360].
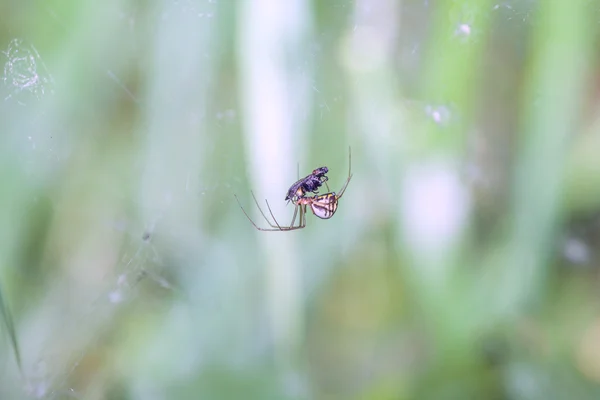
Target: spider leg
[302, 217]
[274, 229]
[301, 221]
[262, 213]
[299, 226]
[246, 214]
[277, 227]
[271, 212]
[291, 227]
[343, 189]
[294, 217]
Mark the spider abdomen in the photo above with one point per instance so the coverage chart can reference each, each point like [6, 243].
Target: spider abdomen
[324, 206]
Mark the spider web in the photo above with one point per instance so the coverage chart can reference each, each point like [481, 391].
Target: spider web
[25, 76]
[83, 328]
[56, 352]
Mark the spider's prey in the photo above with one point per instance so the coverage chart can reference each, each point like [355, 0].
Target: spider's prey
[310, 183]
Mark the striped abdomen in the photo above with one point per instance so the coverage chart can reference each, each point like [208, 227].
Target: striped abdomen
[323, 206]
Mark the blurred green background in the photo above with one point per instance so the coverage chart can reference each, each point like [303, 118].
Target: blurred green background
[462, 262]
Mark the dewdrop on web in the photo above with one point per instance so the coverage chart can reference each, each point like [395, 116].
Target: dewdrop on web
[116, 296]
[463, 30]
[576, 251]
[441, 115]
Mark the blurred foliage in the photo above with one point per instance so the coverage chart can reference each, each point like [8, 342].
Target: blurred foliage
[462, 262]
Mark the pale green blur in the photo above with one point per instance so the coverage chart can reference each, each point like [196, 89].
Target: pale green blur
[461, 262]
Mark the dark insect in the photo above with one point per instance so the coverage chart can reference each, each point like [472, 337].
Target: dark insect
[310, 183]
[323, 206]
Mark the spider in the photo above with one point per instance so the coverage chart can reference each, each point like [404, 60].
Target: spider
[323, 206]
[310, 183]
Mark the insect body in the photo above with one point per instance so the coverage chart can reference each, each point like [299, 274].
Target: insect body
[310, 183]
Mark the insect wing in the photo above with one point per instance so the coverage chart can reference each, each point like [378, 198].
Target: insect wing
[309, 183]
[295, 190]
